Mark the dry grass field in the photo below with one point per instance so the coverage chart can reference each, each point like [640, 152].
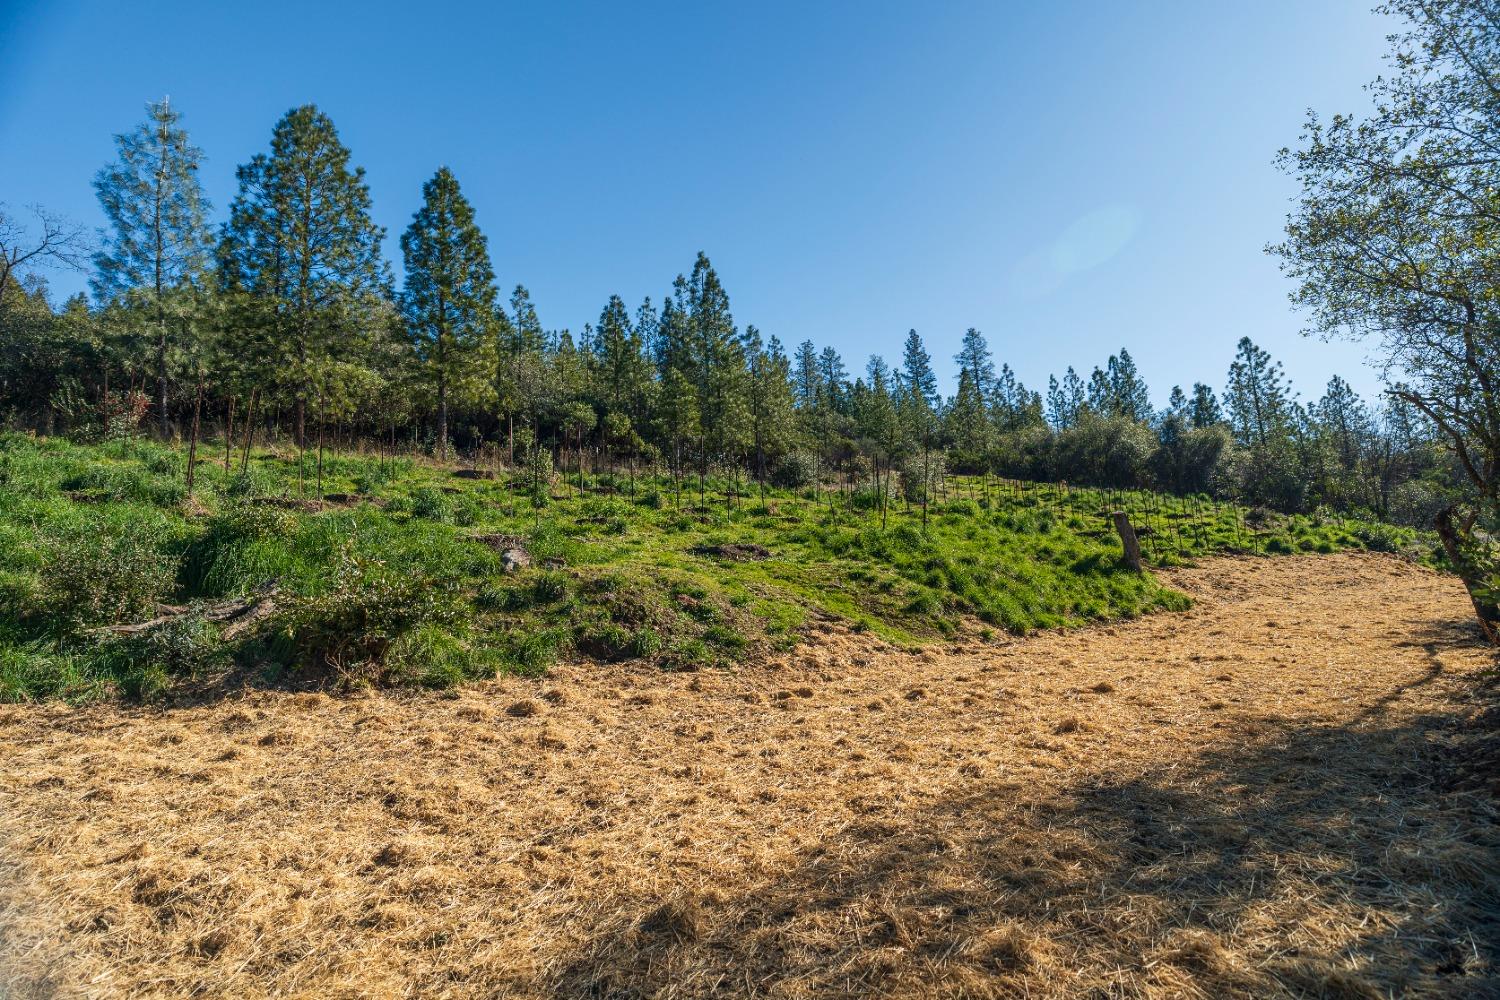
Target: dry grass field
[1263, 796]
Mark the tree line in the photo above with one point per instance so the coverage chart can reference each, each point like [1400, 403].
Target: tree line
[286, 320]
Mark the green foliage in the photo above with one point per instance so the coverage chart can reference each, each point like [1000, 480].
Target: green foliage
[101, 574]
[350, 626]
[412, 592]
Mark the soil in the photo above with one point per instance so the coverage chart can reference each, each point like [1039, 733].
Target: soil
[1264, 796]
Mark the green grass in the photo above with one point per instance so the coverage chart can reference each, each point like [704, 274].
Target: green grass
[396, 584]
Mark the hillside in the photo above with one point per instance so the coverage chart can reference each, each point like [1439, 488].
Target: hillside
[396, 571]
[1259, 797]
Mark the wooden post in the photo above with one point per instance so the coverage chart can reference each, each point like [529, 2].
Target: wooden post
[1128, 540]
[192, 460]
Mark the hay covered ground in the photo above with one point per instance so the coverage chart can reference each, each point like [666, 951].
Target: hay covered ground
[1263, 796]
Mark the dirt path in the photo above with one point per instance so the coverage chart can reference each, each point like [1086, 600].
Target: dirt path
[1255, 798]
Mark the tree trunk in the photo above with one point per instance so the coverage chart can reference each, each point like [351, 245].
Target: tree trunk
[193, 438]
[442, 421]
[1128, 540]
[1484, 605]
[229, 434]
[249, 429]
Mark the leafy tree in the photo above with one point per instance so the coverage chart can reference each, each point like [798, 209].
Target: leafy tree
[449, 297]
[24, 251]
[1395, 237]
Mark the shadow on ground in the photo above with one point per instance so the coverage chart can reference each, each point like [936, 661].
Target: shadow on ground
[1295, 860]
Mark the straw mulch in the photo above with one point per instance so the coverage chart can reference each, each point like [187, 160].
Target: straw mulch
[1265, 796]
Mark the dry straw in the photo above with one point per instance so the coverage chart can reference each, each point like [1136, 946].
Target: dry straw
[1255, 798]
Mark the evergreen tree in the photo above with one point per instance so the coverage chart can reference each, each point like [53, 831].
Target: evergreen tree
[520, 348]
[1204, 410]
[771, 402]
[1345, 420]
[1065, 400]
[966, 425]
[717, 366]
[808, 381]
[624, 371]
[677, 417]
[1128, 394]
[301, 249]
[974, 357]
[449, 298]
[1177, 403]
[1258, 395]
[916, 371]
[159, 241]
[833, 381]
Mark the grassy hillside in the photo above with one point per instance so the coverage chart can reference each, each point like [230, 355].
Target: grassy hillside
[397, 575]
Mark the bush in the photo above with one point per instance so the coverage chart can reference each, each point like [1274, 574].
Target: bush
[98, 577]
[353, 625]
[796, 470]
[429, 504]
[922, 475]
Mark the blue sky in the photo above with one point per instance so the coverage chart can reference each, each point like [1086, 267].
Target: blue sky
[1067, 177]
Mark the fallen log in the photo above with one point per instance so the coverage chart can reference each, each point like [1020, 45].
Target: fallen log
[241, 614]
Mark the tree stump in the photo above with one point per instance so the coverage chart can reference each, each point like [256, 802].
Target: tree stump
[1128, 540]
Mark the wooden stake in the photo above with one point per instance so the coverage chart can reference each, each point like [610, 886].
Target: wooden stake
[1128, 540]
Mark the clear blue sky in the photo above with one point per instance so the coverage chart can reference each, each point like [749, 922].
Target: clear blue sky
[1066, 177]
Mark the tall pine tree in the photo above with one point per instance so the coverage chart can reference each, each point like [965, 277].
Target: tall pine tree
[159, 242]
[449, 298]
[302, 252]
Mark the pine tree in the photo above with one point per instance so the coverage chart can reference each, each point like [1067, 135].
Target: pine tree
[966, 424]
[624, 372]
[916, 371]
[833, 381]
[677, 418]
[1343, 417]
[303, 252]
[717, 362]
[1204, 410]
[807, 381]
[520, 347]
[770, 400]
[1258, 395]
[159, 244]
[449, 298]
[974, 357]
[1065, 400]
[1128, 394]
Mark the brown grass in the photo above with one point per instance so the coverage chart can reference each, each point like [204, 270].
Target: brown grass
[1255, 798]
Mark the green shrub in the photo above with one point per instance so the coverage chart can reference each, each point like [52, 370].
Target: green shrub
[796, 470]
[371, 604]
[102, 577]
[429, 504]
